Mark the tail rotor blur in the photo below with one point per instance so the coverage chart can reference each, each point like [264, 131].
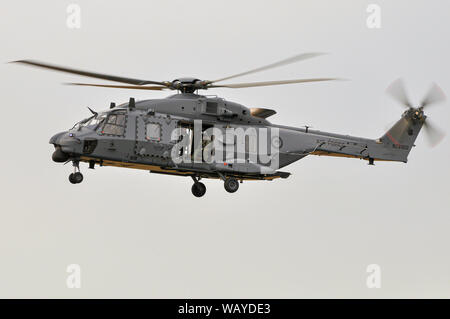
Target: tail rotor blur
[435, 95]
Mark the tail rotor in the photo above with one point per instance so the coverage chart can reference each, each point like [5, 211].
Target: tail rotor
[434, 96]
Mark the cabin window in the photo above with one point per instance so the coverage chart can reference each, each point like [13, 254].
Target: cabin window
[115, 125]
[153, 132]
[211, 107]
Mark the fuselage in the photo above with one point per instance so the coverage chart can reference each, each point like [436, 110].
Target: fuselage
[141, 135]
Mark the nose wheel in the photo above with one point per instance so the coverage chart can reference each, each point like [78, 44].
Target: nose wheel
[76, 177]
[198, 189]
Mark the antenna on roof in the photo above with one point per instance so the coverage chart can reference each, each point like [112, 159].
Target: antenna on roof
[131, 104]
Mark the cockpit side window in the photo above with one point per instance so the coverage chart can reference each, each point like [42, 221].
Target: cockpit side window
[114, 125]
[96, 120]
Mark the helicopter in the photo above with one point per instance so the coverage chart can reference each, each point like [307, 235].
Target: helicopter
[207, 137]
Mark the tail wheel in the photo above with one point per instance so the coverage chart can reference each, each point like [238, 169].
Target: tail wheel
[231, 185]
[198, 189]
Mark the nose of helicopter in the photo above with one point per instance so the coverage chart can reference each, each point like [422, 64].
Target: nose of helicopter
[65, 144]
[55, 138]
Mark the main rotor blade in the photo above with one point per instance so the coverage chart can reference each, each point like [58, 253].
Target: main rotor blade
[434, 95]
[397, 91]
[434, 134]
[88, 74]
[153, 88]
[268, 83]
[290, 60]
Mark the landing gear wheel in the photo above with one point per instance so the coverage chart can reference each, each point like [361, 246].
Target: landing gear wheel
[198, 189]
[76, 178]
[72, 179]
[231, 185]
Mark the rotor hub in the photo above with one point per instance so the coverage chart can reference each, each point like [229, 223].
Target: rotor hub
[418, 114]
[187, 84]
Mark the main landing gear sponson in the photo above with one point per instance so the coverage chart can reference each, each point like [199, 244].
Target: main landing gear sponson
[76, 177]
[198, 189]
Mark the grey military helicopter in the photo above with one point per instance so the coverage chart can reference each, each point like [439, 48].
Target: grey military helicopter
[139, 134]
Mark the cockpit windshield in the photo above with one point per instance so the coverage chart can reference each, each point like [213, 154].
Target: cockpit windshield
[91, 122]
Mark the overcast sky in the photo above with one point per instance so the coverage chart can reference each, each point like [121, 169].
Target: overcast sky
[136, 234]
